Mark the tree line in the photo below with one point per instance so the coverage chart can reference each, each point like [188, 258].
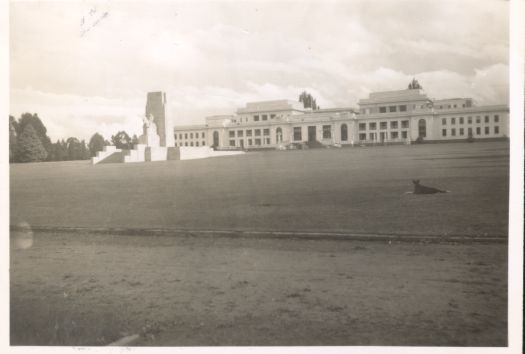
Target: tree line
[29, 142]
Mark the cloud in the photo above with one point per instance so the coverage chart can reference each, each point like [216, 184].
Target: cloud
[213, 57]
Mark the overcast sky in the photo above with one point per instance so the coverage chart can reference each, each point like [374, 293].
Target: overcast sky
[86, 67]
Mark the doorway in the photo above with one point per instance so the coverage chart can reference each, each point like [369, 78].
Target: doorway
[312, 134]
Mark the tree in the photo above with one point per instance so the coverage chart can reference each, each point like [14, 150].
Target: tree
[38, 126]
[29, 146]
[84, 151]
[59, 151]
[134, 140]
[74, 149]
[96, 143]
[308, 101]
[121, 140]
[12, 139]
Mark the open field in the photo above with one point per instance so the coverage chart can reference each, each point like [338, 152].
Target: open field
[191, 288]
[178, 291]
[354, 190]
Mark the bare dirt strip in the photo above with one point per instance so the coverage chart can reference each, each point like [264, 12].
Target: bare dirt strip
[88, 289]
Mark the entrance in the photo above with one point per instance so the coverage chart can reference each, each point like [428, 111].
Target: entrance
[382, 137]
[242, 143]
[215, 139]
[312, 134]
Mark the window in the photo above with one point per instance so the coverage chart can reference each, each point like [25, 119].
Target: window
[452, 121]
[344, 132]
[449, 106]
[175, 137]
[327, 132]
[231, 133]
[257, 142]
[486, 119]
[404, 134]
[455, 106]
[443, 121]
[453, 132]
[266, 132]
[469, 131]
[443, 132]
[257, 132]
[186, 144]
[272, 116]
[403, 108]
[461, 131]
[478, 119]
[249, 133]
[267, 141]
[404, 124]
[203, 143]
[372, 126]
[478, 131]
[362, 136]
[362, 126]
[185, 135]
[180, 136]
[191, 135]
[255, 118]
[382, 125]
[232, 142]
[496, 130]
[394, 135]
[440, 106]
[393, 124]
[202, 135]
[297, 136]
[496, 118]
[197, 143]
[191, 144]
[264, 117]
[461, 120]
[382, 109]
[240, 133]
[469, 120]
[487, 132]
[392, 109]
[250, 142]
[372, 136]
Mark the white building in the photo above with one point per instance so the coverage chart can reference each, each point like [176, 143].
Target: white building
[390, 117]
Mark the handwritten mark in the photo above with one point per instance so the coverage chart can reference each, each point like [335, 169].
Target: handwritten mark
[91, 20]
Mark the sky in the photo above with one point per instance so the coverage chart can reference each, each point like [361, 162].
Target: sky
[87, 66]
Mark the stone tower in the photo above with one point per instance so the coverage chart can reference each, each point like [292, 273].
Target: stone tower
[156, 105]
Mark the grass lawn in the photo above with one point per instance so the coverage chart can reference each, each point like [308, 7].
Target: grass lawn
[351, 190]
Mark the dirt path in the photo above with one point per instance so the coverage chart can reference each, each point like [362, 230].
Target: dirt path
[94, 289]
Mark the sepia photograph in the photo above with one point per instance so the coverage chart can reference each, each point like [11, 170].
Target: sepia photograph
[266, 174]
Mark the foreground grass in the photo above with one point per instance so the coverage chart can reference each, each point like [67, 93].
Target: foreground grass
[355, 190]
[177, 291]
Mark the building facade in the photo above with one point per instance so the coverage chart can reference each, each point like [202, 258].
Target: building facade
[390, 117]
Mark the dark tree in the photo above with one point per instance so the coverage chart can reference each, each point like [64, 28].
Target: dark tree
[134, 140]
[29, 147]
[59, 151]
[40, 129]
[308, 101]
[74, 149]
[121, 140]
[12, 139]
[84, 151]
[96, 143]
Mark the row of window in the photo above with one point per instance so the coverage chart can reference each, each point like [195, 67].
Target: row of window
[189, 135]
[250, 142]
[383, 125]
[461, 120]
[384, 136]
[393, 109]
[262, 117]
[461, 131]
[256, 132]
[186, 143]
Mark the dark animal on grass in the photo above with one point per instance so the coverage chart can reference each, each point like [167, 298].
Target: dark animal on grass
[421, 189]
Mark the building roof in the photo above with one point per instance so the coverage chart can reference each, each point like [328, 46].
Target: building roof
[275, 105]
